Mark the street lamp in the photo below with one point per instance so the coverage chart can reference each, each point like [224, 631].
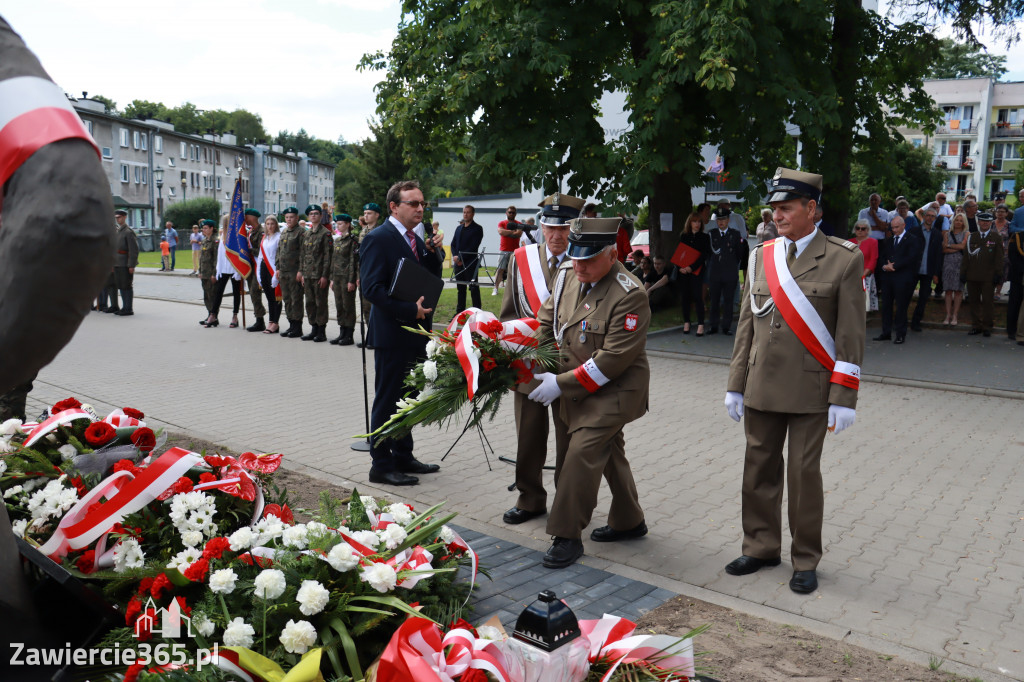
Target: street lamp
[184, 188]
[158, 178]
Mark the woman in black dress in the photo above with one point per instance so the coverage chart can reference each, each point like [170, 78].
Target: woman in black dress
[690, 279]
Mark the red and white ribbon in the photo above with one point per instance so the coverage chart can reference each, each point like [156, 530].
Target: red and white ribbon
[802, 318]
[227, 660]
[531, 274]
[417, 652]
[33, 113]
[612, 637]
[119, 420]
[590, 376]
[51, 424]
[270, 268]
[514, 335]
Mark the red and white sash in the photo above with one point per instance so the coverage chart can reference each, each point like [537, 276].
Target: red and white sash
[272, 271]
[531, 276]
[802, 318]
[33, 113]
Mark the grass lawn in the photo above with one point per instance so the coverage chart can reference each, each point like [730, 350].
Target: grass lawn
[151, 259]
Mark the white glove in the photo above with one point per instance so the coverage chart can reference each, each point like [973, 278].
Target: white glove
[734, 403]
[840, 418]
[548, 391]
[273, 281]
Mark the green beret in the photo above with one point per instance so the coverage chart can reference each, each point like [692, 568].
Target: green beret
[253, 212]
[206, 222]
[343, 216]
[372, 207]
[313, 207]
[291, 209]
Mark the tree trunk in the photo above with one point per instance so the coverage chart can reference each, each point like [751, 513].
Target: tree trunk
[671, 195]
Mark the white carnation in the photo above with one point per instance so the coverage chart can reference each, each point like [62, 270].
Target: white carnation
[296, 638]
[369, 503]
[270, 584]
[381, 577]
[127, 555]
[431, 348]
[52, 501]
[447, 535]
[295, 536]
[312, 597]
[13, 490]
[191, 538]
[223, 581]
[5, 446]
[393, 535]
[367, 538]
[430, 370]
[202, 623]
[489, 632]
[315, 528]
[269, 528]
[239, 633]
[11, 427]
[185, 558]
[401, 513]
[3, 466]
[241, 539]
[342, 557]
[19, 527]
[68, 452]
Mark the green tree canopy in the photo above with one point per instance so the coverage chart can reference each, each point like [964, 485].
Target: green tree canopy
[185, 214]
[111, 105]
[143, 109]
[909, 171]
[964, 60]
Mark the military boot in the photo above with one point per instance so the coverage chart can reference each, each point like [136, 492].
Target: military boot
[287, 332]
[346, 336]
[126, 303]
[296, 330]
[321, 333]
[312, 333]
[341, 335]
[256, 326]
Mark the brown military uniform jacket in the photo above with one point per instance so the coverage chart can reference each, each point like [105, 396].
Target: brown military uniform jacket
[255, 237]
[343, 261]
[126, 248]
[289, 251]
[208, 257]
[984, 265]
[617, 315]
[316, 253]
[514, 305]
[770, 365]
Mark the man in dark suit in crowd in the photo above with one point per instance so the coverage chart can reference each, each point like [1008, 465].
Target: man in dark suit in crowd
[396, 350]
[822, 224]
[899, 259]
[930, 268]
[465, 247]
[728, 256]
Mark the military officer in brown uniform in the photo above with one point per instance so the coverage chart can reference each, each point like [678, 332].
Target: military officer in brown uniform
[981, 270]
[126, 258]
[795, 371]
[598, 314]
[370, 220]
[343, 279]
[208, 267]
[252, 223]
[315, 273]
[288, 263]
[533, 269]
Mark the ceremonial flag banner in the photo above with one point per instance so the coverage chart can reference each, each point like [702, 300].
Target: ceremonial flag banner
[237, 245]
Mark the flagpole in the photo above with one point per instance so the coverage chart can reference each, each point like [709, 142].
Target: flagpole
[242, 287]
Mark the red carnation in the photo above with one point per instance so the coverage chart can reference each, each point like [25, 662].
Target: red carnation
[133, 672]
[216, 547]
[66, 404]
[87, 562]
[473, 675]
[182, 485]
[488, 363]
[183, 605]
[79, 486]
[197, 571]
[145, 584]
[261, 561]
[283, 513]
[99, 434]
[123, 465]
[133, 611]
[133, 413]
[144, 439]
[142, 626]
[207, 477]
[161, 584]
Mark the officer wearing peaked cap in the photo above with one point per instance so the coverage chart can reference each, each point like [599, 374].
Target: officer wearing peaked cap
[795, 372]
[599, 314]
[532, 271]
[255, 236]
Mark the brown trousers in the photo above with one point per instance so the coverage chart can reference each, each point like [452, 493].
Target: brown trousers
[316, 302]
[344, 303]
[532, 450]
[764, 470]
[980, 297]
[589, 454]
[291, 295]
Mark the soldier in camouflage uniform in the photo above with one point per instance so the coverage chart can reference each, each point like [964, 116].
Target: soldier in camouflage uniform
[126, 258]
[288, 263]
[208, 268]
[343, 279]
[370, 220]
[252, 222]
[315, 273]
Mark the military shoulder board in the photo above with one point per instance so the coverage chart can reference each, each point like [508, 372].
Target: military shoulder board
[626, 282]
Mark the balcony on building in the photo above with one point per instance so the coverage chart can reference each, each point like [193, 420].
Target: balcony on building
[966, 126]
[725, 183]
[1007, 129]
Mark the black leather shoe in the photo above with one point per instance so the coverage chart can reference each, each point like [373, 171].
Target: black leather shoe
[256, 326]
[985, 333]
[899, 339]
[563, 553]
[392, 478]
[336, 340]
[727, 332]
[295, 332]
[883, 337]
[112, 310]
[916, 328]
[974, 332]
[609, 534]
[516, 515]
[364, 344]
[746, 565]
[414, 466]
[713, 330]
[803, 582]
[122, 313]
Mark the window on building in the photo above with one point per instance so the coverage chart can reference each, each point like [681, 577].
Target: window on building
[275, 164]
[135, 139]
[107, 153]
[124, 172]
[158, 144]
[88, 126]
[949, 148]
[184, 150]
[218, 156]
[138, 175]
[124, 137]
[170, 161]
[145, 175]
[170, 191]
[218, 183]
[184, 177]
[142, 215]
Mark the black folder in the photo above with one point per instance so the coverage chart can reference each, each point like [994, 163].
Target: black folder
[412, 280]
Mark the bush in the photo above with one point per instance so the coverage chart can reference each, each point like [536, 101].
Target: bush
[185, 214]
[752, 215]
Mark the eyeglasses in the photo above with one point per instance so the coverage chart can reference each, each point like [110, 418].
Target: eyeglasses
[860, 229]
[416, 204]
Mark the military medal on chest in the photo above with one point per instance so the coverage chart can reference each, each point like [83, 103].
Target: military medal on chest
[583, 331]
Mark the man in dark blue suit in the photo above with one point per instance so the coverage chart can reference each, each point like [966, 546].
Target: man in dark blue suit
[465, 247]
[395, 349]
[900, 256]
[930, 266]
